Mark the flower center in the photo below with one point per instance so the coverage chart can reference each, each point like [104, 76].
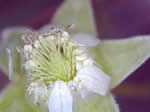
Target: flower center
[54, 60]
[52, 56]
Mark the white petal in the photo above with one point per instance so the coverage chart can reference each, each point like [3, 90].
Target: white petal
[60, 99]
[94, 79]
[85, 39]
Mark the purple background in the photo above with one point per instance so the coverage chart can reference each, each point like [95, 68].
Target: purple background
[114, 18]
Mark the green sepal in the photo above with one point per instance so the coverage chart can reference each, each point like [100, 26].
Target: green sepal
[13, 99]
[97, 103]
[119, 58]
[78, 12]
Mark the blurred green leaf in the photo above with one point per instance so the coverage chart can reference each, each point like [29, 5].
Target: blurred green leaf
[119, 58]
[13, 100]
[78, 12]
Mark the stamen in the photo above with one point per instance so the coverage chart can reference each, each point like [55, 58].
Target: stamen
[10, 65]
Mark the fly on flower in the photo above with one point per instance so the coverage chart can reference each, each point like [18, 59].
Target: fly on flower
[57, 67]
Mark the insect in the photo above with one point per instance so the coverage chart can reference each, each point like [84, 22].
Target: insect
[55, 29]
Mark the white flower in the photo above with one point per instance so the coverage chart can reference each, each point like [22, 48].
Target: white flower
[57, 66]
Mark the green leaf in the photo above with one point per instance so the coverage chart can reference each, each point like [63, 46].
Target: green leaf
[78, 12]
[119, 58]
[11, 38]
[13, 100]
[98, 104]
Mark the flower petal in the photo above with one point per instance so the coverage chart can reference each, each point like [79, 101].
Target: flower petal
[10, 38]
[94, 79]
[60, 99]
[12, 99]
[85, 39]
[119, 58]
[95, 103]
[78, 12]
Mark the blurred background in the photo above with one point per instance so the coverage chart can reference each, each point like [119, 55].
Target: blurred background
[114, 19]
